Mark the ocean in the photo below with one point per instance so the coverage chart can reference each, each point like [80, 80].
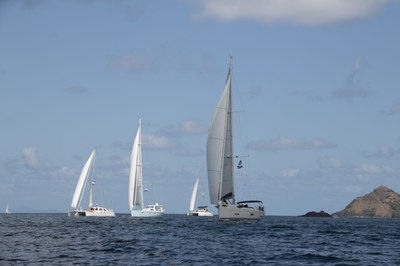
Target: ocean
[55, 239]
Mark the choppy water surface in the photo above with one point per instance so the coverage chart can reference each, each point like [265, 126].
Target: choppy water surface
[177, 239]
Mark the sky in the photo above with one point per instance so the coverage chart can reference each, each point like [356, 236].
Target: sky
[316, 99]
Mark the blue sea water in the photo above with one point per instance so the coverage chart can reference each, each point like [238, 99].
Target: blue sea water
[55, 239]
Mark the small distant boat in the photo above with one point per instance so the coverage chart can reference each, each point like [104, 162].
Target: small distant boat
[220, 159]
[87, 175]
[7, 211]
[200, 210]
[136, 202]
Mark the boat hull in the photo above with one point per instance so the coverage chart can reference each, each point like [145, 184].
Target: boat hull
[146, 213]
[90, 213]
[100, 214]
[154, 210]
[200, 214]
[233, 212]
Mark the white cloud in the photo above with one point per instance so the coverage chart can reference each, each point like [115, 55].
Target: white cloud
[157, 142]
[302, 12]
[192, 127]
[289, 172]
[363, 177]
[189, 152]
[383, 151]
[288, 143]
[64, 171]
[374, 169]
[353, 189]
[30, 157]
[352, 89]
[332, 163]
[184, 128]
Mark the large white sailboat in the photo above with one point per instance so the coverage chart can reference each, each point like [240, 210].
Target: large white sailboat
[136, 203]
[220, 163]
[87, 175]
[200, 210]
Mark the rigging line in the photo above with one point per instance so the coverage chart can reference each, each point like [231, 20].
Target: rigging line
[242, 132]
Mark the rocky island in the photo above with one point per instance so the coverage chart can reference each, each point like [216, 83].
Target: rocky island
[320, 214]
[380, 203]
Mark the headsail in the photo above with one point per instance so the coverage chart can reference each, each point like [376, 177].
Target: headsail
[193, 198]
[135, 176]
[219, 148]
[82, 181]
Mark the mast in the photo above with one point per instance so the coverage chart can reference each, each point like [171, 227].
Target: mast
[230, 132]
[91, 182]
[139, 166]
[227, 180]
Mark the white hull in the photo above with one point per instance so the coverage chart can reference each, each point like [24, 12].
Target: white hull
[233, 212]
[200, 213]
[145, 213]
[92, 213]
[85, 177]
[150, 211]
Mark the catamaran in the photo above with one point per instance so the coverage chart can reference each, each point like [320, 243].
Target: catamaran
[200, 210]
[135, 193]
[220, 158]
[87, 175]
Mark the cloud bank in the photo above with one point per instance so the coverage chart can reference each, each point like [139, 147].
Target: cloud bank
[300, 12]
[352, 89]
[288, 143]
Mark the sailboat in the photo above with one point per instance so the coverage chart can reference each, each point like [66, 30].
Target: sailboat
[86, 176]
[220, 163]
[200, 210]
[7, 211]
[135, 194]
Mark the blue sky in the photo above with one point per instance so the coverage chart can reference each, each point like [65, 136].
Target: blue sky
[316, 91]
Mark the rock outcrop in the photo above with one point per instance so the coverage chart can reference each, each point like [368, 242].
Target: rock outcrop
[320, 214]
[380, 203]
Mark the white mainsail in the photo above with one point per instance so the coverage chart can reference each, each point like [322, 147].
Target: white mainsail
[7, 211]
[76, 199]
[135, 176]
[219, 148]
[220, 163]
[193, 198]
